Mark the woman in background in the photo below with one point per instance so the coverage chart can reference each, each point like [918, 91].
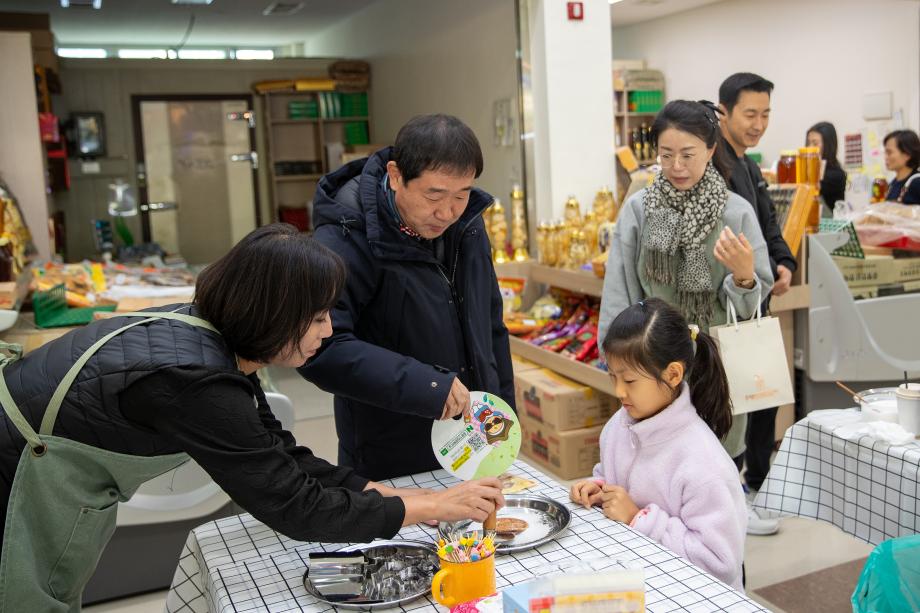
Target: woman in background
[902, 157]
[823, 135]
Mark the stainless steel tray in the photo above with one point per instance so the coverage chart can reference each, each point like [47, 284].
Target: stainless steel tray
[379, 575]
[546, 519]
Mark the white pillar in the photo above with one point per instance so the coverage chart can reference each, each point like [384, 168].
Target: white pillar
[572, 104]
[21, 154]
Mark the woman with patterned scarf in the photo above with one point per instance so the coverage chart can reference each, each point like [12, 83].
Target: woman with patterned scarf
[686, 239]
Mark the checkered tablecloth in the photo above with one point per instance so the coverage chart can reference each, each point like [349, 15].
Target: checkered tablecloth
[239, 564]
[864, 486]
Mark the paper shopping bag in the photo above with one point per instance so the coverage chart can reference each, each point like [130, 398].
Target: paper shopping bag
[755, 362]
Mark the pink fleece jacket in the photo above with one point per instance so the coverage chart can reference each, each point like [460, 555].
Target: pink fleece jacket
[685, 485]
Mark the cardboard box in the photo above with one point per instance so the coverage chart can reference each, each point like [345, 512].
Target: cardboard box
[906, 269]
[570, 455]
[874, 270]
[519, 364]
[560, 403]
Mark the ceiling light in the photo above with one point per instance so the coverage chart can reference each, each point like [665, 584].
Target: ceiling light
[89, 4]
[78, 52]
[615, 1]
[202, 54]
[203, 2]
[255, 54]
[282, 8]
[142, 54]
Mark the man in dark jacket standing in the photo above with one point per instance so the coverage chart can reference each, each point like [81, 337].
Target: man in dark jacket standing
[420, 321]
[744, 99]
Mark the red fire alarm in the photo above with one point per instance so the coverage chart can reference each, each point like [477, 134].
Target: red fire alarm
[576, 11]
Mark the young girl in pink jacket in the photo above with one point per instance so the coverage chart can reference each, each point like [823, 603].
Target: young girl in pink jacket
[662, 469]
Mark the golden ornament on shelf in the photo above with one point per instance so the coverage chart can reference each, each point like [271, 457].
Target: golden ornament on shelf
[499, 233]
[543, 242]
[518, 225]
[590, 230]
[572, 211]
[605, 208]
[578, 250]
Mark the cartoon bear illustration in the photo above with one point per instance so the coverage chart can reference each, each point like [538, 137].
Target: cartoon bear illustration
[492, 423]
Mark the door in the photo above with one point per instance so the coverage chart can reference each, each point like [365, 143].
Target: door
[196, 173]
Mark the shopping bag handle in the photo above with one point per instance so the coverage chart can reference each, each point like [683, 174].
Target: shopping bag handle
[731, 315]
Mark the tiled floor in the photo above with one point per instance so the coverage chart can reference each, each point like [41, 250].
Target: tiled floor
[802, 546]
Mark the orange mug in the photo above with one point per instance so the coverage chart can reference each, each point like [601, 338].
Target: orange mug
[459, 582]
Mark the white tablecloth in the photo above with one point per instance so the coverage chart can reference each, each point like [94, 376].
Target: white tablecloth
[239, 564]
[862, 485]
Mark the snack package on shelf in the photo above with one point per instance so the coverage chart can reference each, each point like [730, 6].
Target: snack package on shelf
[511, 289]
[80, 289]
[584, 343]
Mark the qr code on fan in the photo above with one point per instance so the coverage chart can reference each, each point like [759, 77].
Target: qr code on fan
[475, 441]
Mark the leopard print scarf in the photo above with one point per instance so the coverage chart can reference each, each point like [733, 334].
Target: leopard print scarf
[677, 224]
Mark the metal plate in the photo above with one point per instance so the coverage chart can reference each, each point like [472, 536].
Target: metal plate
[350, 584]
[546, 519]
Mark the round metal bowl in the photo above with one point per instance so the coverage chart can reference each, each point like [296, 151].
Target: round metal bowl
[346, 582]
[546, 519]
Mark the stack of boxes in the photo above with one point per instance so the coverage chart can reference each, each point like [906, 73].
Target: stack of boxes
[880, 275]
[561, 420]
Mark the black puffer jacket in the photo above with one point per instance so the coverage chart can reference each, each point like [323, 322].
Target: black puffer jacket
[192, 399]
[406, 324]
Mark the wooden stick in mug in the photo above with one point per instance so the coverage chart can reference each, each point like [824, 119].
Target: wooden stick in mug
[489, 524]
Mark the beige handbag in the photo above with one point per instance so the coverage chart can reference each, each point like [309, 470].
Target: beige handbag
[755, 361]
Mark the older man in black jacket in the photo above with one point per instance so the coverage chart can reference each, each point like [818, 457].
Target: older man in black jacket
[420, 321]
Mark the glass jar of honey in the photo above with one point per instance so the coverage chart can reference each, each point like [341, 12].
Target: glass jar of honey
[879, 189]
[785, 168]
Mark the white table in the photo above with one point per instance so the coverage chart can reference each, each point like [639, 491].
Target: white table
[239, 564]
[864, 486]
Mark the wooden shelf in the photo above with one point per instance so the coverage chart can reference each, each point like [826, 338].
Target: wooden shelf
[580, 282]
[344, 119]
[577, 371]
[634, 114]
[298, 177]
[308, 121]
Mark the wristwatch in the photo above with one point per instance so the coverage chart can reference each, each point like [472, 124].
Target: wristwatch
[744, 283]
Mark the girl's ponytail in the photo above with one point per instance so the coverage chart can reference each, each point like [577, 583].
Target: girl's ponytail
[709, 386]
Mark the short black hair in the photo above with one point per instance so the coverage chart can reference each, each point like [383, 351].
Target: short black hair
[731, 88]
[432, 142]
[908, 143]
[266, 291]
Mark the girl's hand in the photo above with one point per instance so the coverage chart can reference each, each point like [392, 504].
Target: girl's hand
[617, 504]
[586, 493]
[736, 254]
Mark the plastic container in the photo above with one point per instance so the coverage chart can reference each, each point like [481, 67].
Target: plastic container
[908, 402]
[879, 404]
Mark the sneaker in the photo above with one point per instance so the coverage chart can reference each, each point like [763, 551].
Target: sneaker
[757, 525]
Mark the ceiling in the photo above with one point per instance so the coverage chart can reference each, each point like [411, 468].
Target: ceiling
[224, 23]
[628, 12]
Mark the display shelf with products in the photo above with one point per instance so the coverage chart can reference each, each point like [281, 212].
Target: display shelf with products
[578, 281]
[307, 131]
[577, 371]
[633, 120]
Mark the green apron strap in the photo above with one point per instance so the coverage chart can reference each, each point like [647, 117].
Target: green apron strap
[54, 405]
[6, 399]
